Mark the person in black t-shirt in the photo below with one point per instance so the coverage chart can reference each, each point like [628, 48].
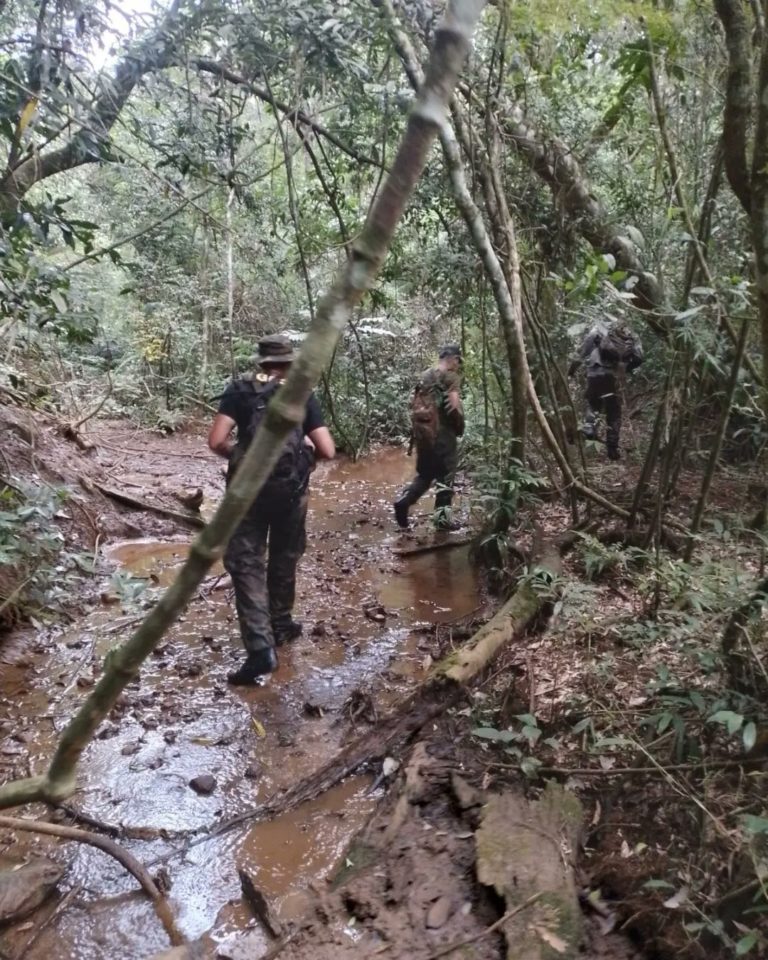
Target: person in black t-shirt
[265, 581]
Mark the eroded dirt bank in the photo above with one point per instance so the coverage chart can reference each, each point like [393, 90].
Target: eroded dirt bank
[366, 613]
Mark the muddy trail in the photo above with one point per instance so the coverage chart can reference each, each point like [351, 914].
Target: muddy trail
[183, 751]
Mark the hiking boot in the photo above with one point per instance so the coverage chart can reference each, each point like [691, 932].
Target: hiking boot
[444, 525]
[258, 665]
[401, 513]
[285, 632]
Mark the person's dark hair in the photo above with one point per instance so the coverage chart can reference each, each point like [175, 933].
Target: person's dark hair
[450, 350]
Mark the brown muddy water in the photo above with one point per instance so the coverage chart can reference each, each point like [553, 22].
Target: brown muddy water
[181, 720]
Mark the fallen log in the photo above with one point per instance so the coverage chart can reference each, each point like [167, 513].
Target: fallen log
[429, 547]
[129, 501]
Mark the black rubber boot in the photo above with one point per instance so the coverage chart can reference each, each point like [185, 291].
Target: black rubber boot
[286, 632]
[257, 666]
[401, 512]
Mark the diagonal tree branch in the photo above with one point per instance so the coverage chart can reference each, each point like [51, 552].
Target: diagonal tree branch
[556, 165]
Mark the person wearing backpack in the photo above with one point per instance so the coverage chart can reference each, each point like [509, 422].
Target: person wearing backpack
[606, 351]
[437, 421]
[264, 578]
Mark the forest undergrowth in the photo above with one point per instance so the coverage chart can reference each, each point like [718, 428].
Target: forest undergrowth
[634, 698]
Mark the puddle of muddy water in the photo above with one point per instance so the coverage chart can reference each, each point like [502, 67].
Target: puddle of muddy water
[182, 720]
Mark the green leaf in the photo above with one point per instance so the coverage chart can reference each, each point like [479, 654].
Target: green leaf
[732, 721]
[749, 735]
[491, 733]
[753, 824]
[58, 301]
[658, 885]
[528, 719]
[746, 943]
[530, 766]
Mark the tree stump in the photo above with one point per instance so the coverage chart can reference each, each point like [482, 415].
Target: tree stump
[526, 848]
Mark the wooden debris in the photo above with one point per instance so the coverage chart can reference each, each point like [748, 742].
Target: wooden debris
[259, 905]
[129, 501]
[430, 547]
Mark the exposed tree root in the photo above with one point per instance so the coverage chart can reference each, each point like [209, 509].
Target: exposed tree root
[123, 857]
[509, 915]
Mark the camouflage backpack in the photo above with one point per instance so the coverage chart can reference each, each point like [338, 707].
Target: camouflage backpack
[425, 415]
[619, 345]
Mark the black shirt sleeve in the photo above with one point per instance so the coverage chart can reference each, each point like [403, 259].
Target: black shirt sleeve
[229, 403]
[313, 417]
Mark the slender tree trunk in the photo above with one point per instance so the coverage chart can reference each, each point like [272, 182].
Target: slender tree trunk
[230, 254]
[717, 446]
[759, 211]
[285, 413]
[205, 313]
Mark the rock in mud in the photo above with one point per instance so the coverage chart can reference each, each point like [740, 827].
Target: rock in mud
[204, 784]
[438, 913]
[253, 771]
[24, 889]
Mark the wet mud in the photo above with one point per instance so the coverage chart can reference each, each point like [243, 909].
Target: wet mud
[363, 608]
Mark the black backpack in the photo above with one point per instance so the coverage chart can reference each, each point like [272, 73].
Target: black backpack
[291, 472]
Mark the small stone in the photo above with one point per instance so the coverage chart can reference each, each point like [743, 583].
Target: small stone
[313, 709]
[83, 682]
[438, 913]
[253, 771]
[130, 749]
[204, 784]
[170, 736]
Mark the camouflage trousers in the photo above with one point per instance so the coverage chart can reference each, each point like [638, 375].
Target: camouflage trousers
[602, 396]
[261, 558]
[438, 467]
